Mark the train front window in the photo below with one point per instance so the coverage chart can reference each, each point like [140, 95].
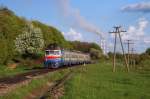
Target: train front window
[47, 52]
[56, 52]
[53, 52]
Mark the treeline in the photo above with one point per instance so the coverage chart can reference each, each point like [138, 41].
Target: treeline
[92, 48]
[21, 38]
[142, 61]
[11, 26]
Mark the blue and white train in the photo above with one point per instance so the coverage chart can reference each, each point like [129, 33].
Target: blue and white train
[58, 58]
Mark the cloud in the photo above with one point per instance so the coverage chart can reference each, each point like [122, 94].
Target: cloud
[72, 35]
[110, 45]
[136, 32]
[74, 18]
[147, 40]
[137, 7]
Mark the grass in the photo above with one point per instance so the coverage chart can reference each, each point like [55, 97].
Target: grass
[22, 92]
[99, 82]
[6, 71]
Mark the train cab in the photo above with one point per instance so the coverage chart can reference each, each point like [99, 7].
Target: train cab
[52, 58]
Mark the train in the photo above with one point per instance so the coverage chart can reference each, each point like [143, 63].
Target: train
[55, 58]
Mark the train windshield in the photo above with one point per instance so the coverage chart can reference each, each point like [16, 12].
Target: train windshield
[53, 52]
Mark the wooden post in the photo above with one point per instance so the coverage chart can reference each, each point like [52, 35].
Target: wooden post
[128, 44]
[118, 31]
[128, 52]
[133, 57]
[126, 62]
[114, 58]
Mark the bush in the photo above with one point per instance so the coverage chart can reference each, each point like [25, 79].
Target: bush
[147, 51]
[95, 54]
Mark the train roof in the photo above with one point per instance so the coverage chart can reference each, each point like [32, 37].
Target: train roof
[75, 51]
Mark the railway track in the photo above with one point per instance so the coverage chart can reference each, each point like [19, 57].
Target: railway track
[8, 83]
[24, 76]
[53, 91]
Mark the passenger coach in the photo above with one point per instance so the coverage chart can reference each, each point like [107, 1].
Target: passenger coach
[58, 58]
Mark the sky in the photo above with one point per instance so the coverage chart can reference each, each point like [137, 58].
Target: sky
[90, 20]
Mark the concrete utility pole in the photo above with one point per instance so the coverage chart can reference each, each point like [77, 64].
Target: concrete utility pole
[129, 42]
[118, 31]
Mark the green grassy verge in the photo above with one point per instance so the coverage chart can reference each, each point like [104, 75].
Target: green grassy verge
[6, 71]
[99, 82]
[21, 92]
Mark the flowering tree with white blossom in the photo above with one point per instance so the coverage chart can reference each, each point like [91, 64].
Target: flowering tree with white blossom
[30, 41]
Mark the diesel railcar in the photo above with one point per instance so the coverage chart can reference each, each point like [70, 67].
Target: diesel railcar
[58, 58]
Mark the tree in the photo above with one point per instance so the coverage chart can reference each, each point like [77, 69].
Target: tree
[148, 51]
[95, 54]
[51, 35]
[84, 46]
[11, 26]
[30, 41]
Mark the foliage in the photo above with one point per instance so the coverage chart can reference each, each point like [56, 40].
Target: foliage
[110, 54]
[95, 54]
[17, 34]
[84, 46]
[139, 58]
[51, 35]
[147, 51]
[30, 41]
[12, 27]
[92, 48]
